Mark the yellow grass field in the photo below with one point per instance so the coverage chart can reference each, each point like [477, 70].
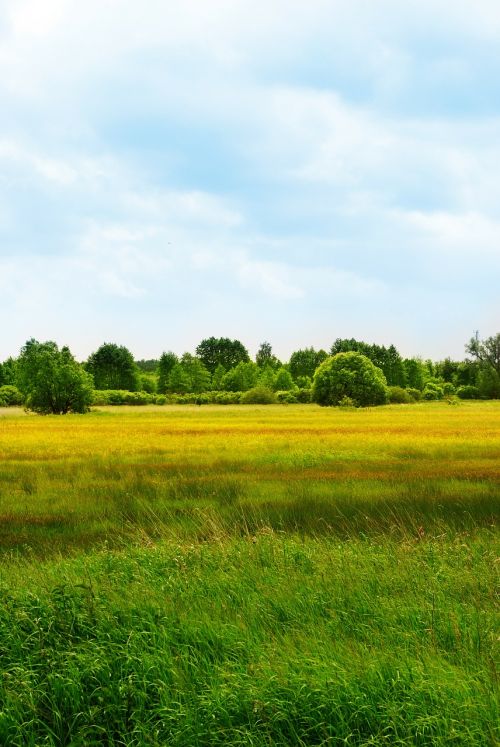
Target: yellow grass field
[75, 480]
[229, 576]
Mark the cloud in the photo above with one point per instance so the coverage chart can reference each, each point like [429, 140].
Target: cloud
[227, 162]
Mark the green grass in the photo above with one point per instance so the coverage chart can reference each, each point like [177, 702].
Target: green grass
[250, 576]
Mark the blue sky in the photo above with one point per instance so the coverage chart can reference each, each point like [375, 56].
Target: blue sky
[281, 170]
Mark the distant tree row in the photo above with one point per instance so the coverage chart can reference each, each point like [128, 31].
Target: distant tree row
[51, 380]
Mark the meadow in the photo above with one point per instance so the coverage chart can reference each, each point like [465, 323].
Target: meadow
[280, 575]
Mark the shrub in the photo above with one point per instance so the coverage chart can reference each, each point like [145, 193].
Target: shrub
[432, 391]
[227, 398]
[160, 399]
[347, 402]
[259, 395]
[414, 394]
[121, 397]
[10, 396]
[468, 392]
[138, 398]
[448, 389]
[350, 375]
[287, 398]
[399, 396]
[304, 395]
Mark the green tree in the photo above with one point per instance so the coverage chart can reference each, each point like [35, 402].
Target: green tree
[148, 366]
[165, 365]
[266, 358]
[283, 381]
[414, 373]
[178, 380]
[51, 381]
[388, 359]
[196, 372]
[241, 378]
[9, 372]
[267, 378]
[221, 351]
[217, 377]
[113, 367]
[147, 382]
[351, 375]
[305, 362]
[487, 352]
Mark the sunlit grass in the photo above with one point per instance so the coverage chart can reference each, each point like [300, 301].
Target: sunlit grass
[73, 481]
[250, 576]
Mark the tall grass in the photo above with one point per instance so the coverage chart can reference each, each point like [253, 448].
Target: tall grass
[266, 576]
[71, 482]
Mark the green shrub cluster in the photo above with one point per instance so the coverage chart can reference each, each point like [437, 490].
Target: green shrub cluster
[468, 392]
[399, 396]
[122, 397]
[10, 396]
[432, 391]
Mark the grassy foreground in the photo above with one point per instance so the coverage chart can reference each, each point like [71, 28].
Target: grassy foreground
[250, 576]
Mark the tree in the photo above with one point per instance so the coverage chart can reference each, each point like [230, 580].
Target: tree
[9, 372]
[283, 381]
[165, 365]
[148, 366]
[350, 375]
[196, 373]
[305, 362]
[486, 351]
[414, 373]
[221, 351]
[51, 380]
[178, 381]
[388, 359]
[217, 377]
[265, 357]
[241, 377]
[113, 367]
[267, 377]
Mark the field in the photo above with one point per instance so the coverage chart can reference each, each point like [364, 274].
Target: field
[282, 575]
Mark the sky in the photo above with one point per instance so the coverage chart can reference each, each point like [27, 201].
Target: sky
[273, 170]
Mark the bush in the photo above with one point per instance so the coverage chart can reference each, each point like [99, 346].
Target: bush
[350, 375]
[414, 394]
[432, 391]
[468, 392]
[10, 396]
[121, 397]
[347, 402]
[448, 389]
[399, 396]
[160, 399]
[227, 398]
[287, 398]
[259, 395]
[304, 395]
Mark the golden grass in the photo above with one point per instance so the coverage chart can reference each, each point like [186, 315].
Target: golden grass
[300, 467]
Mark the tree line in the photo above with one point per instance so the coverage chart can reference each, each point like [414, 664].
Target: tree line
[48, 379]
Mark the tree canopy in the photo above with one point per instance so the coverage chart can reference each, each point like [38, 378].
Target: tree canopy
[51, 380]
[113, 367]
[221, 351]
[349, 375]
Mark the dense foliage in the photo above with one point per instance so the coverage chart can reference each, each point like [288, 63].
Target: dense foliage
[113, 367]
[51, 381]
[349, 375]
[224, 365]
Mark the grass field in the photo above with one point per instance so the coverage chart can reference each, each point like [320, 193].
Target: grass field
[282, 575]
